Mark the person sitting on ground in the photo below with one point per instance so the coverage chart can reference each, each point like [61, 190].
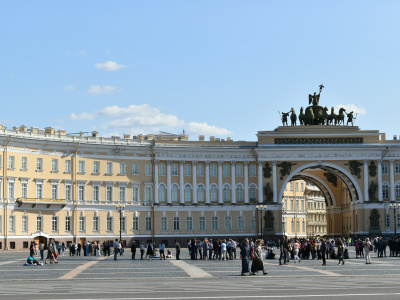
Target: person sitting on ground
[169, 254]
[32, 261]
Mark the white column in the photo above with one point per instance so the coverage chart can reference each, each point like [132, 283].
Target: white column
[169, 200]
[156, 200]
[233, 181]
[208, 201]
[260, 185]
[194, 177]
[181, 184]
[274, 182]
[366, 195]
[392, 194]
[380, 198]
[246, 182]
[220, 195]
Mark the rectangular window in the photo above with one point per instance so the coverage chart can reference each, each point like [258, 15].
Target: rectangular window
[39, 223]
[148, 223]
[122, 168]
[135, 226]
[148, 194]
[253, 223]
[214, 223]
[109, 169]
[123, 224]
[109, 223]
[24, 223]
[385, 168]
[39, 191]
[397, 168]
[68, 192]
[187, 170]
[54, 191]
[189, 223]
[68, 166]
[200, 170]
[39, 164]
[122, 194]
[135, 194]
[228, 223]
[54, 223]
[240, 223]
[163, 223]
[176, 224]
[67, 223]
[96, 193]
[239, 170]
[24, 190]
[95, 223]
[11, 162]
[213, 170]
[11, 190]
[135, 169]
[54, 165]
[81, 192]
[252, 170]
[161, 169]
[81, 167]
[81, 223]
[11, 223]
[174, 169]
[109, 193]
[202, 223]
[147, 170]
[226, 170]
[96, 167]
[387, 220]
[24, 164]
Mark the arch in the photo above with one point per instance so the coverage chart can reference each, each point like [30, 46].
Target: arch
[347, 179]
[385, 190]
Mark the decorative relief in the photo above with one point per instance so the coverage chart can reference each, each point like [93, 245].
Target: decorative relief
[354, 167]
[286, 168]
[372, 169]
[374, 219]
[290, 141]
[372, 192]
[331, 178]
[269, 220]
[267, 170]
[269, 194]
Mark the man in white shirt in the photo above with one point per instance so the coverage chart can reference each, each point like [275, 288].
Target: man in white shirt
[116, 248]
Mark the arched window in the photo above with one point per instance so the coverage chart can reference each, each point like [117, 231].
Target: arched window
[214, 193]
[253, 193]
[227, 193]
[188, 193]
[239, 193]
[200, 193]
[161, 193]
[175, 193]
[385, 190]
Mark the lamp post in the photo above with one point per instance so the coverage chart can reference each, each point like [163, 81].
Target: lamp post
[261, 208]
[120, 208]
[394, 207]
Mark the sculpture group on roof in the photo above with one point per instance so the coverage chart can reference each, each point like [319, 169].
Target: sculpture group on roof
[317, 115]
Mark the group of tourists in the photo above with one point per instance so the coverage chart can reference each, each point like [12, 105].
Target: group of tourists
[220, 249]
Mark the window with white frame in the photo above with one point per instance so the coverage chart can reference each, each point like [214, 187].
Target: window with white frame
[109, 223]
[397, 168]
[122, 170]
[24, 223]
[11, 223]
[39, 164]
[200, 194]
[397, 188]
[54, 165]
[96, 192]
[202, 223]
[122, 194]
[109, 193]
[39, 190]
[252, 170]
[81, 223]
[148, 193]
[54, 223]
[96, 167]
[291, 204]
[39, 223]
[11, 162]
[68, 191]
[188, 193]
[24, 163]
[239, 193]
[177, 224]
[239, 170]
[164, 224]
[135, 226]
[67, 223]
[302, 187]
[174, 169]
[187, 170]
[147, 169]
[227, 193]
[109, 167]
[95, 223]
[161, 193]
[54, 191]
[161, 169]
[228, 223]
[398, 219]
[81, 192]
[214, 193]
[135, 169]
[213, 170]
[200, 170]
[214, 223]
[135, 194]
[241, 223]
[81, 167]
[291, 186]
[385, 169]
[303, 226]
[297, 186]
[387, 220]
[253, 223]
[189, 223]
[24, 189]
[175, 193]
[253, 193]
[385, 190]
[292, 225]
[68, 166]
[123, 223]
[226, 170]
[148, 223]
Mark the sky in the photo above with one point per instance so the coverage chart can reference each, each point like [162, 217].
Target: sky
[214, 68]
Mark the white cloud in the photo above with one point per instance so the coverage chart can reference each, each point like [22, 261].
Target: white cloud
[351, 107]
[99, 90]
[109, 66]
[107, 51]
[82, 53]
[13, 76]
[82, 116]
[70, 88]
[205, 129]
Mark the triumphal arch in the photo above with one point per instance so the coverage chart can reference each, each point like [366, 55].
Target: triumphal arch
[357, 170]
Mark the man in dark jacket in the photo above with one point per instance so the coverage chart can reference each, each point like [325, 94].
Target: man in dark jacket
[133, 249]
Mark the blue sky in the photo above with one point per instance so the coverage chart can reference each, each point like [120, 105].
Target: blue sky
[222, 68]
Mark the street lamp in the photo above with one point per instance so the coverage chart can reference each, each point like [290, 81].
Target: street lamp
[120, 208]
[394, 207]
[261, 208]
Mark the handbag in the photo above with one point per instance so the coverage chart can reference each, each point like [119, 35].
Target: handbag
[55, 254]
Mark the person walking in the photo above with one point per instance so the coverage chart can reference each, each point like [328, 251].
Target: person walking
[283, 247]
[323, 251]
[178, 249]
[63, 248]
[116, 248]
[162, 251]
[296, 247]
[41, 249]
[245, 257]
[340, 251]
[258, 263]
[133, 249]
[368, 247]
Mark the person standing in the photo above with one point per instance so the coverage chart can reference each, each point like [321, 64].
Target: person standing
[32, 249]
[323, 251]
[78, 251]
[258, 263]
[149, 250]
[162, 250]
[116, 248]
[245, 257]
[340, 247]
[368, 247]
[41, 249]
[296, 247]
[178, 249]
[283, 251]
[133, 249]
[210, 249]
[63, 248]
[142, 249]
